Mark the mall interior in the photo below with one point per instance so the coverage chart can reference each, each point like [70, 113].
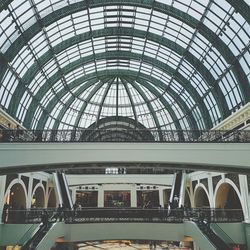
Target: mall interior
[124, 124]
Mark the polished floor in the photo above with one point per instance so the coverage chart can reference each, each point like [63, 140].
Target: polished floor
[125, 245]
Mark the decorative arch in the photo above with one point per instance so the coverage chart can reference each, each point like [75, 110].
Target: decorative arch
[38, 196]
[16, 194]
[201, 196]
[223, 190]
[52, 199]
[187, 199]
[191, 55]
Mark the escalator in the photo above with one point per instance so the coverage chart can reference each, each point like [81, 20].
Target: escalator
[33, 242]
[63, 190]
[204, 226]
[176, 190]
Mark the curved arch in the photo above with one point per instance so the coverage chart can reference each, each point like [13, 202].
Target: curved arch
[38, 196]
[84, 87]
[45, 87]
[150, 107]
[106, 73]
[187, 199]
[215, 89]
[239, 6]
[17, 195]
[182, 104]
[163, 8]
[52, 200]
[201, 196]
[91, 94]
[221, 193]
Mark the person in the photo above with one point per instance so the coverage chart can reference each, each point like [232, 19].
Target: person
[18, 133]
[1, 135]
[45, 219]
[7, 134]
[59, 214]
[38, 135]
[154, 244]
[75, 207]
[5, 212]
[176, 201]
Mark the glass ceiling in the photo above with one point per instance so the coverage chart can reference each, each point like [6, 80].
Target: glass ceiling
[168, 64]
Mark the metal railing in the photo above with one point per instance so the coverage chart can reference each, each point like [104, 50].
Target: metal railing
[140, 215]
[129, 135]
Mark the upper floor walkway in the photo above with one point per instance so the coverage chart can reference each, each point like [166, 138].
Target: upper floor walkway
[124, 223]
[25, 151]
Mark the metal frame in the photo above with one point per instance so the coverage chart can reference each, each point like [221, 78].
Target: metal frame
[208, 113]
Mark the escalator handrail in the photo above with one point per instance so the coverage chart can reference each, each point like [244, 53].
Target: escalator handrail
[65, 197]
[218, 237]
[229, 238]
[34, 236]
[20, 241]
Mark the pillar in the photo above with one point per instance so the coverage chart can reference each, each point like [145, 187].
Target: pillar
[211, 190]
[2, 191]
[133, 197]
[29, 191]
[100, 198]
[245, 197]
[161, 199]
[73, 191]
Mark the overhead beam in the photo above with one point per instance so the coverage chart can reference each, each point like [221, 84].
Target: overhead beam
[218, 157]
[109, 55]
[211, 82]
[166, 9]
[105, 73]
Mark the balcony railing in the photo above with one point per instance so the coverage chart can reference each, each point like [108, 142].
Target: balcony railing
[129, 135]
[109, 215]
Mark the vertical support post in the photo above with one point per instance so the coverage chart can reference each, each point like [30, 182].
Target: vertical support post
[211, 190]
[29, 191]
[161, 200]
[2, 192]
[133, 196]
[73, 195]
[100, 199]
[245, 197]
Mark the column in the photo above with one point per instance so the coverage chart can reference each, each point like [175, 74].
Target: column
[100, 198]
[211, 190]
[2, 191]
[245, 197]
[133, 197]
[73, 195]
[161, 199]
[30, 190]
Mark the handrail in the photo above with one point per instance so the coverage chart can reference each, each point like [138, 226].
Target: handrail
[159, 214]
[225, 236]
[125, 135]
[214, 238]
[23, 239]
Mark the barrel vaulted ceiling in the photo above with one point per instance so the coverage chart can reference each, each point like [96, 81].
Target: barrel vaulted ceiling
[167, 64]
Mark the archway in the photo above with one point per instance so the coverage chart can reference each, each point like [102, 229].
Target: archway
[52, 199]
[16, 197]
[38, 198]
[201, 198]
[227, 197]
[187, 201]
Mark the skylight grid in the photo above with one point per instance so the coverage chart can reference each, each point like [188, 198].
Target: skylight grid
[165, 49]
